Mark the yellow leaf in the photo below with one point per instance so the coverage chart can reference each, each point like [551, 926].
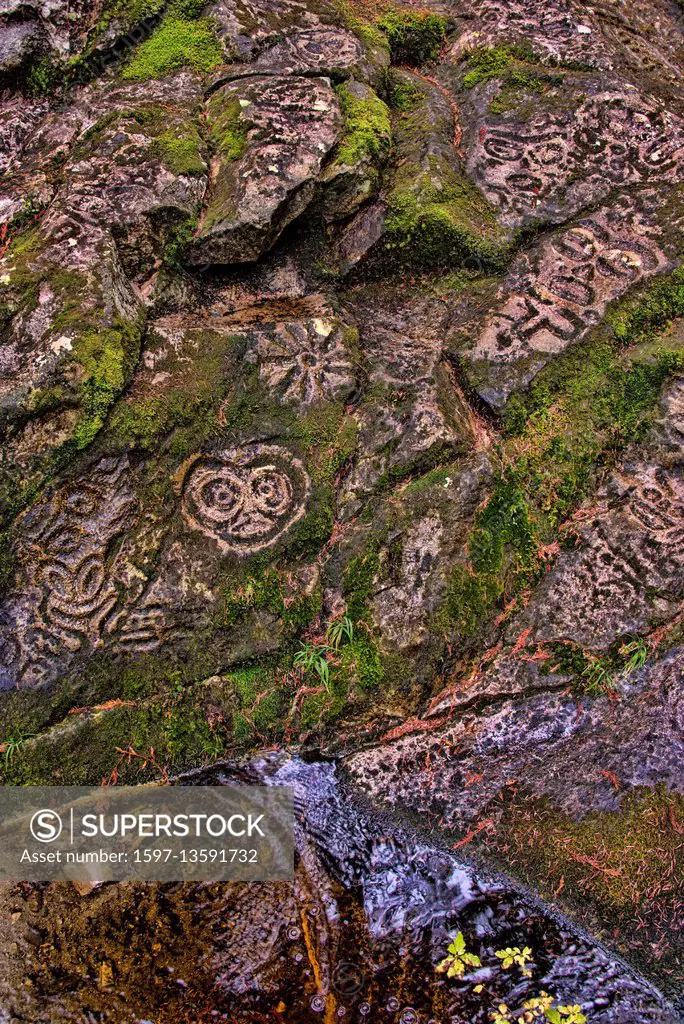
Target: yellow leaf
[105, 976]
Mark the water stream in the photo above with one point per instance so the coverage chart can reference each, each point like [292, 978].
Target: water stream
[375, 908]
[357, 937]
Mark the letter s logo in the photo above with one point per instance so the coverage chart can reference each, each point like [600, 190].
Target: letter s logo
[46, 826]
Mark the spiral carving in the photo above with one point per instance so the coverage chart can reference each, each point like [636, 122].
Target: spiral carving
[245, 498]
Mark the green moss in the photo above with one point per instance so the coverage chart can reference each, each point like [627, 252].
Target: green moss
[503, 525]
[367, 130]
[487, 63]
[359, 580]
[303, 610]
[261, 705]
[185, 410]
[128, 13]
[502, 551]
[414, 36]
[402, 95]
[182, 730]
[8, 563]
[228, 124]
[353, 16]
[324, 709]
[178, 236]
[515, 84]
[255, 590]
[104, 350]
[423, 463]
[598, 399]
[578, 414]
[641, 317]
[177, 43]
[120, 22]
[182, 153]
[436, 218]
[612, 870]
[362, 659]
[431, 478]
[177, 141]
[108, 357]
[44, 76]
[439, 226]
[328, 437]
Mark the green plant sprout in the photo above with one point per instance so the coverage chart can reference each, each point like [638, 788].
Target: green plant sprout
[339, 630]
[455, 963]
[539, 1008]
[598, 677]
[12, 746]
[313, 657]
[636, 652]
[515, 955]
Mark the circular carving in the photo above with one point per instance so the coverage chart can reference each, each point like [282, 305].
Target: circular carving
[245, 498]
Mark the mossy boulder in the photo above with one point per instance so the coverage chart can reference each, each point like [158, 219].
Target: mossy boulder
[270, 136]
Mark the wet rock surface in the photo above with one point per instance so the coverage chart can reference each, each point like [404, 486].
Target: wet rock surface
[349, 337]
[367, 899]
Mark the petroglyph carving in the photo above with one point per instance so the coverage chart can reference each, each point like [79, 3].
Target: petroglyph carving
[64, 546]
[312, 50]
[245, 498]
[306, 362]
[558, 159]
[399, 359]
[579, 272]
[553, 27]
[630, 562]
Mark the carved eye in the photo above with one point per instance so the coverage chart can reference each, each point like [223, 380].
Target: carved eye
[619, 263]
[270, 491]
[218, 494]
[577, 243]
[246, 498]
[501, 148]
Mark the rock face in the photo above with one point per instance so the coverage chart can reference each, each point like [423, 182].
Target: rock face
[341, 410]
[256, 193]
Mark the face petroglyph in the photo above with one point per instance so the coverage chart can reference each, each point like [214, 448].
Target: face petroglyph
[245, 498]
[306, 362]
[68, 593]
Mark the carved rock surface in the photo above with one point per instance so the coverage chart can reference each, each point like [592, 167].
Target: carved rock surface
[555, 297]
[287, 126]
[342, 416]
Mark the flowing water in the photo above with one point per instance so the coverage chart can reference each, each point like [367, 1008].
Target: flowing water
[357, 937]
[374, 912]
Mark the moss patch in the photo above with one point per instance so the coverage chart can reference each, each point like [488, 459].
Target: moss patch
[619, 872]
[185, 410]
[643, 316]
[359, 579]
[437, 219]
[487, 63]
[367, 130]
[108, 358]
[177, 43]
[578, 415]
[181, 153]
[414, 37]
[229, 126]
[103, 350]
